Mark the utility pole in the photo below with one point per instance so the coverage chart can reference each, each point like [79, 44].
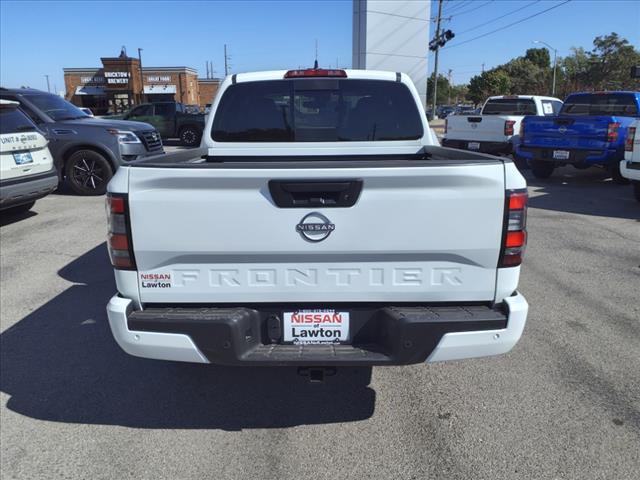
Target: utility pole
[48, 88]
[435, 68]
[483, 68]
[226, 64]
[141, 77]
[207, 68]
[316, 57]
[449, 92]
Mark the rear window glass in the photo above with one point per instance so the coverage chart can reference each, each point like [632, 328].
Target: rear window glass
[600, 104]
[510, 106]
[317, 110]
[13, 120]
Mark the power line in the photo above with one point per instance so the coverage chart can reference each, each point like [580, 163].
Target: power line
[457, 6]
[507, 26]
[396, 15]
[498, 18]
[472, 10]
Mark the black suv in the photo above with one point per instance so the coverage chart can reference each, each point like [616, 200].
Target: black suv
[86, 150]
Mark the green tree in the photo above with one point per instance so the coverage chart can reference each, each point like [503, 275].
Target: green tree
[444, 90]
[491, 82]
[610, 63]
[539, 57]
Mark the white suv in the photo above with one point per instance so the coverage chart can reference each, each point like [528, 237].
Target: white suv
[26, 166]
[630, 166]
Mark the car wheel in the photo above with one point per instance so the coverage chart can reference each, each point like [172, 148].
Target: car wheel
[88, 172]
[636, 190]
[18, 209]
[541, 168]
[190, 136]
[616, 175]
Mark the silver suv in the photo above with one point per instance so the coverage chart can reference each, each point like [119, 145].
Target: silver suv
[86, 150]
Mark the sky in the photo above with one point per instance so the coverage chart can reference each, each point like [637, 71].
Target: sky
[263, 35]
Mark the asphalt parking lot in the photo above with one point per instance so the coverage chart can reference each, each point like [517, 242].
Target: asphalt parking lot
[564, 404]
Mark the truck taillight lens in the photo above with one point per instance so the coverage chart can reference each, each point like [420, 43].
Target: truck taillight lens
[628, 143]
[612, 132]
[508, 127]
[514, 238]
[119, 232]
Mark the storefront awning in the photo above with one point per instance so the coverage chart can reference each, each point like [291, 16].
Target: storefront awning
[150, 89]
[90, 90]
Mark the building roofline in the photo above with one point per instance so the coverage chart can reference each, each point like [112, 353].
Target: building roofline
[170, 69]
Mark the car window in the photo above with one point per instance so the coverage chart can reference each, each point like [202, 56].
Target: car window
[601, 104]
[164, 109]
[510, 106]
[54, 106]
[317, 110]
[13, 120]
[142, 111]
[550, 108]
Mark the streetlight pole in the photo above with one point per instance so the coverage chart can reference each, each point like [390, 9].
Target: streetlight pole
[141, 77]
[435, 68]
[48, 88]
[555, 54]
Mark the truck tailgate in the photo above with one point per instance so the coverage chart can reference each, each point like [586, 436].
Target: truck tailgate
[415, 234]
[484, 128]
[583, 132]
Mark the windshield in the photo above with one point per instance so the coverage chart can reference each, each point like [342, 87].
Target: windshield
[317, 110]
[13, 120]
[55, 107]
[600, 104]
[510, 106]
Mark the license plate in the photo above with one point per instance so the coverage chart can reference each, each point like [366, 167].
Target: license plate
[316, 326]
[473, 145]
[561, 154]
[22, 158]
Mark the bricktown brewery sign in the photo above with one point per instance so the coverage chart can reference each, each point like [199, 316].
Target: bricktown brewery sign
[117, 77]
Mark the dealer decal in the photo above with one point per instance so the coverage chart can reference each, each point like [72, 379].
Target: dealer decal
[155, 280]
[316, 326]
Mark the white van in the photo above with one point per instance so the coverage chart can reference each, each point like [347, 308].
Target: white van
[26, 165]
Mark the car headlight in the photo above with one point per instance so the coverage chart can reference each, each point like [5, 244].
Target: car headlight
[124, 136]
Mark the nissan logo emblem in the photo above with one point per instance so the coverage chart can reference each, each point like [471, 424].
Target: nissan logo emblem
[562, 130]
[315, 227]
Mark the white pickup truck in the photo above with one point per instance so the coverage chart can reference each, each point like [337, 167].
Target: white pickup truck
[318, 225]
[496, 129]
[630, 166]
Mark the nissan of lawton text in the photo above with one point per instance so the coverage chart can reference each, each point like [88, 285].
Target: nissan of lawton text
[318, 225]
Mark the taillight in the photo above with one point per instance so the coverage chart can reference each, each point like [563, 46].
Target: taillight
[119, 232]
[612, 132]
[628, 143]
[508, 127]
[514, 237]
[315, 72]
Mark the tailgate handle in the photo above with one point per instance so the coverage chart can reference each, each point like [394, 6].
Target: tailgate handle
[474, 119]
[315, 193]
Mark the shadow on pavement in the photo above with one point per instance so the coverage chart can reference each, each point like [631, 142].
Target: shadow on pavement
[586, 192]
[60, 363]
[7, 217]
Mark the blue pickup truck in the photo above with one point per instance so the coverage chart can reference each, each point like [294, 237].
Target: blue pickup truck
[589, 130]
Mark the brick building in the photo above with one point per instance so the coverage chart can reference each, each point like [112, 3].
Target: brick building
[120, 83]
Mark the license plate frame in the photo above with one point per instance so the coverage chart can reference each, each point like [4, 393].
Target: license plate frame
[473, 145]
[316, 326]
[561, 154]
[22, 158]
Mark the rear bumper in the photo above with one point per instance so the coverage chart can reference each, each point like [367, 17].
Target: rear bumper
[630, 170]
[380, 335]
[494, 148]
[576, 156]
[18, 191]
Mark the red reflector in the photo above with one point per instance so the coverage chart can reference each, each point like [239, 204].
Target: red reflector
[122, 262]
[118, 242]
[512, 260]
[516, 239]
[517, 200]
[116, 204]
[315, 72]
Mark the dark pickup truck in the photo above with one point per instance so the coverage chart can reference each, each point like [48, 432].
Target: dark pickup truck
[590, 130]
[171, 119]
